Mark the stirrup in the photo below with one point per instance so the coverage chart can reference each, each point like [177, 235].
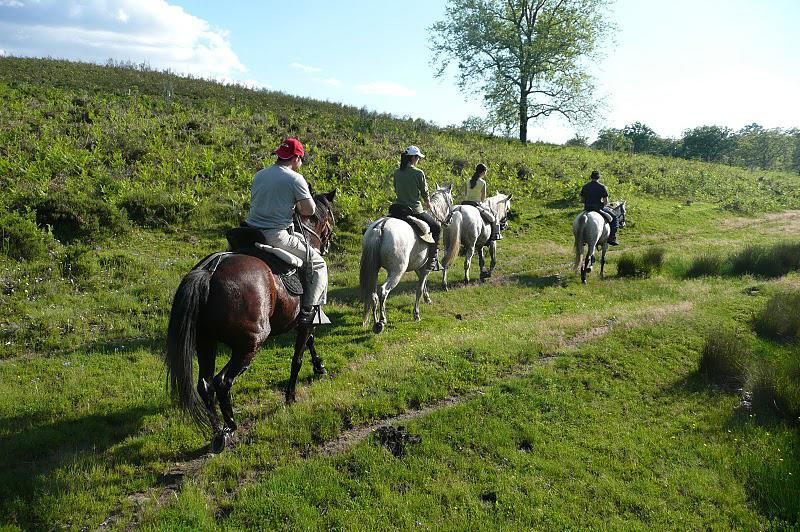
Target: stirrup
[312, 315]
[433, 265]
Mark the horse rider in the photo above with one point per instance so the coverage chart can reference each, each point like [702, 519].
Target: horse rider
[276, 194]
[595, 198]
[411, 189]
[476, 195]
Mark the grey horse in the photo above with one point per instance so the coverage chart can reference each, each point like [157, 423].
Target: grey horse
[591, 229]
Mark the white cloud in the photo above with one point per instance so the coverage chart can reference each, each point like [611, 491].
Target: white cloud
[141, 31]
[385, 88]
[305, 68]
[331, 82]
[2, 52]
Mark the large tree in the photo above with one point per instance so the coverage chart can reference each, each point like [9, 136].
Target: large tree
[528, 58]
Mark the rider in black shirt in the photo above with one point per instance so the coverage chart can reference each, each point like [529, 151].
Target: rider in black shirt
[595, 198]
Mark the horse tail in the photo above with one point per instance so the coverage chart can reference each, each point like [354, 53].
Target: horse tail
[452, 238]
[582, 221]
[191, 295]
[370, 265]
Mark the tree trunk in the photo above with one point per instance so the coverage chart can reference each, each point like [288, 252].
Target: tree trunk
[523, 116]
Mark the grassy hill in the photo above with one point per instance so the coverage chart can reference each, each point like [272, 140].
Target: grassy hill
[540, 402]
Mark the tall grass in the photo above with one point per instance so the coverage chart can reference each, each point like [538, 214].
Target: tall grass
[726, 358]
[644, 264]
[780, 318]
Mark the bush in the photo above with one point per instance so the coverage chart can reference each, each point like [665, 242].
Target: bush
[640, 264]
[780, 318]
[79, 218]
[767, 261]
[725, 359]
[20, 238]
[156, 209]
[767, 388]
[80, 264]
[705, 265]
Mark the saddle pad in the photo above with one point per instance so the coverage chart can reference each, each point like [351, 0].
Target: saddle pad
[287, 274]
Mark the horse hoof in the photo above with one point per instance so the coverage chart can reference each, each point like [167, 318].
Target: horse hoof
[320, 371]
[583, 281]
[290, 399]
[219, 442]
[378, 327]
[417, 318]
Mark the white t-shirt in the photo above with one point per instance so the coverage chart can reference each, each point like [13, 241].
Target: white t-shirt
[273, 195]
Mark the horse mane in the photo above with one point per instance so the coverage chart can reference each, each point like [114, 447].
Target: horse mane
[439, 201]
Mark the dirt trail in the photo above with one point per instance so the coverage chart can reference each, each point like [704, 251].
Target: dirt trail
[172, 481]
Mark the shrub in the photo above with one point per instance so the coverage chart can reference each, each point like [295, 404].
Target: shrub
[640, 264]
[20, 238]
[705, 265]
[780, 318]
[767, 261]
[79, 218]
[156, 209]
[725, 358]
[765, 388]
[80, 264]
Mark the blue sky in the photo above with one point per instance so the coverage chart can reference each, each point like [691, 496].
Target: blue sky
[672, 65]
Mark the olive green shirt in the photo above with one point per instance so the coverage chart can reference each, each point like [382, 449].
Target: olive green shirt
[411, 187]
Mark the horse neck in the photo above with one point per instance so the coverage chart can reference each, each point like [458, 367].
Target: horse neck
[438, 206]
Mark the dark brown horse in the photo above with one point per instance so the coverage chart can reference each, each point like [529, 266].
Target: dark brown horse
[240, 303]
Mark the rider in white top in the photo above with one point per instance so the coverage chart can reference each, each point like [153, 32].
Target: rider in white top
[476, 195]
[278, 191]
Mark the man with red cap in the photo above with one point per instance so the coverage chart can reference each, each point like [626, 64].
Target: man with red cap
[278, 191]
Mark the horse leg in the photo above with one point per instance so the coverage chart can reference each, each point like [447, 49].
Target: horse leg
[316, 360]
[223, 382]
[482, 264]
[492, 256]
[423, 277]
[383, 293]
[444, 279]
[206, 360]
[470, 252]
[303, 334]
[603, 259]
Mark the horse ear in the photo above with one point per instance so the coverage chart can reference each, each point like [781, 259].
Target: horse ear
[450, 187]
[330, 195]
[509, 197]
[436, 187]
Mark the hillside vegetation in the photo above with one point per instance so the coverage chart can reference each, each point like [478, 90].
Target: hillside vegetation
[666, 396]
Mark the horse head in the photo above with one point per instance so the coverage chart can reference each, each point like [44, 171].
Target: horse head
[501, 205]
[441, 201]
[320, 225]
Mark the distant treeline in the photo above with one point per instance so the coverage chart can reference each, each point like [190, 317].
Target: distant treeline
[752, 147]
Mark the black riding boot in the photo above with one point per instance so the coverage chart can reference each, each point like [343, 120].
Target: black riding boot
[495, 232]
[612, 238]
[433, 258]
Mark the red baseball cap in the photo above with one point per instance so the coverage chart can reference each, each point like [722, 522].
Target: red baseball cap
[289, 148]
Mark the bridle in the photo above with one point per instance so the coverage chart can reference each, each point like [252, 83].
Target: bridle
[325, 235]
[446, 219]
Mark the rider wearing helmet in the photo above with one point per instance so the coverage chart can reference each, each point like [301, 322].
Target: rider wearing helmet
[411, 189]
[595, 198]
[476, 195]
[277, 192]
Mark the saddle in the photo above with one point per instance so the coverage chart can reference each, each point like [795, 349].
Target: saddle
[484, 211]
[420, 227]
[250, 241]
[604, 214]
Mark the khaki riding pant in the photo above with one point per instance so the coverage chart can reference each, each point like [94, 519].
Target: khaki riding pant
[317, 293]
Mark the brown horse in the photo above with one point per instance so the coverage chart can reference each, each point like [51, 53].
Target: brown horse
[240, 303]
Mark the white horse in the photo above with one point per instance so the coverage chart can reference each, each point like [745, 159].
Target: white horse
[468, 228]
[392, 244]
[591, 229]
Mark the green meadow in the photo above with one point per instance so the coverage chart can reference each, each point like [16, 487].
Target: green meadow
[666, 396]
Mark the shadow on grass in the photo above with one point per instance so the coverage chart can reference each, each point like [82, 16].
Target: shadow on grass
[34, 452]
[535, 281]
